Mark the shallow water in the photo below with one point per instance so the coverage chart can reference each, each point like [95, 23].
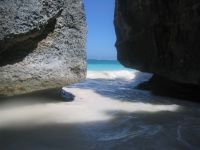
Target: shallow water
[107, 113]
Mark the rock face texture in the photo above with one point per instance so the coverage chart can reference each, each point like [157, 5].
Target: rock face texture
[161, 37]
[42, 44]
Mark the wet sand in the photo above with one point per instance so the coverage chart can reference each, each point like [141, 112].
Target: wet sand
[107, 113]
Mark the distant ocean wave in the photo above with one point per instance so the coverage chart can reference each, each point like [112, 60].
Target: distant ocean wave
[122, 74]
[112, 70]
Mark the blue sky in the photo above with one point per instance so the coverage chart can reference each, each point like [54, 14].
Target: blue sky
[101, 34]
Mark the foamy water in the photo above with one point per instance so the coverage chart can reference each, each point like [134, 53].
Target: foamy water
[107, 113]
[120, 74]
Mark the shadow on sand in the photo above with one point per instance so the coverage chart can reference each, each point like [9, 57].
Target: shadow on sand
[123, 132]
[43, 96]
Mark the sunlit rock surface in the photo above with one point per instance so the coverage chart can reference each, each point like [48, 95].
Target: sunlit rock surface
[42, 44]
[160, 37]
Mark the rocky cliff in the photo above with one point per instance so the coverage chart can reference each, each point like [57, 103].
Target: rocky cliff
[42, 44]
[160, 36]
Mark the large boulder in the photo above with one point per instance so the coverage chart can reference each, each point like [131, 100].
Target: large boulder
[161, 37]
[42, 44]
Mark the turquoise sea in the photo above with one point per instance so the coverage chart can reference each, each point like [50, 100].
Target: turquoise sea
[104, 65]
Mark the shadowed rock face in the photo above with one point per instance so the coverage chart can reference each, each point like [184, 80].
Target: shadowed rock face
[42, 44]
[160, 36]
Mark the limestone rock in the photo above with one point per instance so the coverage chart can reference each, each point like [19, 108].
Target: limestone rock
[160, 36]
[42, 44]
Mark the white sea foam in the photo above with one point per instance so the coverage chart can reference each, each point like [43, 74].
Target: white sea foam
[122, 74]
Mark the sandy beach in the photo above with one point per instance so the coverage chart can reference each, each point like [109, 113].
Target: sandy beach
[102, 116]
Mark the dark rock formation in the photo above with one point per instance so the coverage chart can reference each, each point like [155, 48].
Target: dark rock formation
[162, 86]
[42, 44]
[160, 36]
